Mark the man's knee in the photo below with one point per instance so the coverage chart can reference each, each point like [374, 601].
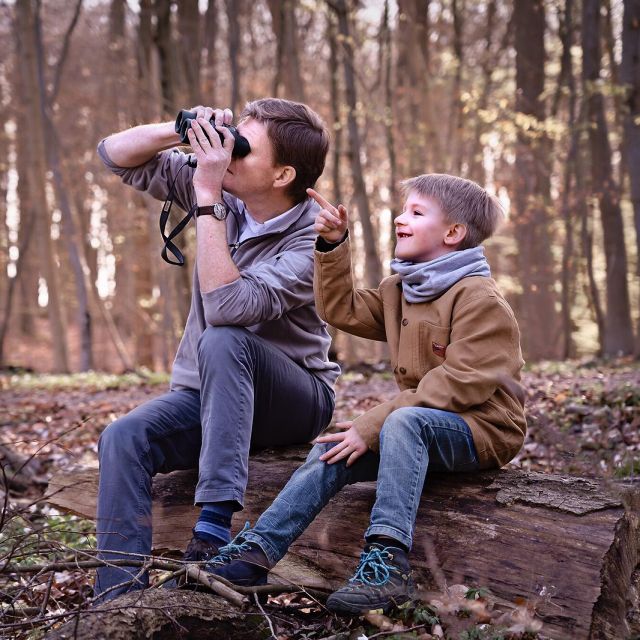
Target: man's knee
[122, 439]
[216, 342]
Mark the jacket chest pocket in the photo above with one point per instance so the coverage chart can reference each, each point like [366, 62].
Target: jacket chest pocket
[431, 351]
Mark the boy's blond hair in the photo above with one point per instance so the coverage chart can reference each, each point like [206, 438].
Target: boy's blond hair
[461, 201]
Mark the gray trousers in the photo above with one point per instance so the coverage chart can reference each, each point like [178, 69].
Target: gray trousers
[251, 396]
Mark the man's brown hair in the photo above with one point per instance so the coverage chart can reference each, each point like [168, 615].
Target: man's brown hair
[461, 201]
[299, 138]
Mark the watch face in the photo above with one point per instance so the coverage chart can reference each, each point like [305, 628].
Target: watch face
[219, 210]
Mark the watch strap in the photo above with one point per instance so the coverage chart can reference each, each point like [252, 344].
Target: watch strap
[218, 210]
[204, 211]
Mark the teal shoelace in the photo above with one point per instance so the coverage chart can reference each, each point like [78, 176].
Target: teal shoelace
[232, 550]
[373, 569]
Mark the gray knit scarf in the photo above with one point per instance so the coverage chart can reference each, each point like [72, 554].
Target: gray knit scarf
[425, 281]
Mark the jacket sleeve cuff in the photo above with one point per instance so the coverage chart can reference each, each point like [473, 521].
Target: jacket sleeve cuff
[323, 246]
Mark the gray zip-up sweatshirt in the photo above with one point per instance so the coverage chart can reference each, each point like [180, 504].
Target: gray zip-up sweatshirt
[274, 295]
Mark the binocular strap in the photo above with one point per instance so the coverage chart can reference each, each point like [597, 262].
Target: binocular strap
[164, 218]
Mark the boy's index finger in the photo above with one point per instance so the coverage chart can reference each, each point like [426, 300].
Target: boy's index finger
[321, 201]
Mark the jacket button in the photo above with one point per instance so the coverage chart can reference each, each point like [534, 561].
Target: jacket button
[403, 370]
[405, 322]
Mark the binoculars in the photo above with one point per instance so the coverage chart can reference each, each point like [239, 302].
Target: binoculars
[183, 123]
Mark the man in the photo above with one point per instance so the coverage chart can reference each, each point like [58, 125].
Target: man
[252, 367]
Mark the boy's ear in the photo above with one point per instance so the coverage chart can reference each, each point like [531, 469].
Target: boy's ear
[285, 175]
[456, 233]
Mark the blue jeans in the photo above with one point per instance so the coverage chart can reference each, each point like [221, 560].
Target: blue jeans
[252, 395]
[412, 439]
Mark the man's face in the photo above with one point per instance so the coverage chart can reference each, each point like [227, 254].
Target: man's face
[421, 229]
[254, 174]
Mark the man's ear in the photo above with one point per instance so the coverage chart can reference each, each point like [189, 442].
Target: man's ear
[456, 233]
[284, 176]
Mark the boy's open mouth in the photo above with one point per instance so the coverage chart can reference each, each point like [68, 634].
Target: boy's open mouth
[403, 235]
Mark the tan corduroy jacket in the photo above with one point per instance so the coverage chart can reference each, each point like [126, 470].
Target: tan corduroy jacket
[459, 353]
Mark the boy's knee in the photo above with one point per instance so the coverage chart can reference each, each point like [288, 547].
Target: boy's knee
[400, 420]
[319, 449]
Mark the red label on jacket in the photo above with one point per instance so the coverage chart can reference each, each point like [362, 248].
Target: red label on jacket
[439, 349]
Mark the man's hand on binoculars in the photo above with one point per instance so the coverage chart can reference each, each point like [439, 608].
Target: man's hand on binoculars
[213, 157]
[221, 116]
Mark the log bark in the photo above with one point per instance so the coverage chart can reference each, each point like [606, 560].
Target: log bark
[569, 545]
[164, 615]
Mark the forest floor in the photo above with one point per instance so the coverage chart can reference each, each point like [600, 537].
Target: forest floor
[583, 419]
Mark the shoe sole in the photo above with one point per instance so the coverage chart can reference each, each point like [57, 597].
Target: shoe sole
[347, 608]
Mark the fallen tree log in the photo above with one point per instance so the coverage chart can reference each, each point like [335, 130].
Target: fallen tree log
[567, 545]
[164, 615]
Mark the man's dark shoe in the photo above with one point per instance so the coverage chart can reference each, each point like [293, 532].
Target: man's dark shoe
[240, 562]
[381, 582]
[200, 550]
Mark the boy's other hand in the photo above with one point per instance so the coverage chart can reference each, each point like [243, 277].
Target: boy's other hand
[349, 443]
[331, 222]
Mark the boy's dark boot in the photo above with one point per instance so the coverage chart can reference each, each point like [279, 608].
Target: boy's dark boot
[382, 581]
[240, 562]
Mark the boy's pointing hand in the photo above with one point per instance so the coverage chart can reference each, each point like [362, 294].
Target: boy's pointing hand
[331, 222]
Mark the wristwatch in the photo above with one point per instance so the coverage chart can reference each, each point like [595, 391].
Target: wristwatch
[218, 210]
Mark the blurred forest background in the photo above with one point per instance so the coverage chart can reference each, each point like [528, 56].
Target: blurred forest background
[539, 100]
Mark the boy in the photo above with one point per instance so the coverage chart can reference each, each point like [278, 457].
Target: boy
[456, 356]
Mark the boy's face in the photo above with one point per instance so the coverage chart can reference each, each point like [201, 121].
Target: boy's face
[421, 230]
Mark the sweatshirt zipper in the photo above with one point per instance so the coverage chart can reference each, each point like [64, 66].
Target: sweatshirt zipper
[236, 245]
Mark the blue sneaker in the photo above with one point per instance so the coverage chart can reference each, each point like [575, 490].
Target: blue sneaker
[240, 562]
[381, 582]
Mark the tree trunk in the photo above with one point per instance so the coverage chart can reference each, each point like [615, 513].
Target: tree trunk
[29, 27]
[287, 80]
[488, 64]
[456, 128]
[27, 275]
[618, 333]
[190, 47]
[532, 191]
[163, 39]
[387, 57]
[234, 46]
[568, 203]
[569, 538]
[420, 140]
[210, 38]
[74, 247]
[630, 79]
[336, 114]
[372, 261]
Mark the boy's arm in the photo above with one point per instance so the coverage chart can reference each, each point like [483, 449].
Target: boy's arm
[360, 311]
[483, 354]
[356, 311]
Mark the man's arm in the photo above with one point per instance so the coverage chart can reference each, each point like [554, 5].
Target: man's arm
[215, 266]
[135, 146]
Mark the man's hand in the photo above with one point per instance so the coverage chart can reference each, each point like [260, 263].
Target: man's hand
[331, 223]
[349, 443]
[213, 157]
